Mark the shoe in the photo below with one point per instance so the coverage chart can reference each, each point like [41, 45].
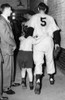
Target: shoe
[37, 88]
[51, 79]
[31, 85]
[15, 84]
[4, 98]
[9, 91]
[24, 86]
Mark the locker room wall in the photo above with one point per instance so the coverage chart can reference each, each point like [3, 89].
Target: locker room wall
[57, 10]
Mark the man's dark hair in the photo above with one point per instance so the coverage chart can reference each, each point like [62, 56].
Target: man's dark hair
[43, 6]
[6, 5]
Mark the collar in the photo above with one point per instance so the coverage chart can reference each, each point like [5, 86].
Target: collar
[5, 18]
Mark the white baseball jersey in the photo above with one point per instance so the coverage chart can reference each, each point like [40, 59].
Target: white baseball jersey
[43, 24]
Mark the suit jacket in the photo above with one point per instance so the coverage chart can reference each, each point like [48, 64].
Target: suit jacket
[7, 39]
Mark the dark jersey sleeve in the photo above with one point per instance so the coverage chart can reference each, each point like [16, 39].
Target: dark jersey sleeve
[57, 37]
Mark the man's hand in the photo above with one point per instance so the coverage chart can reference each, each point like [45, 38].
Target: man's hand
[14, 48]
[56, 46]
[56, 51]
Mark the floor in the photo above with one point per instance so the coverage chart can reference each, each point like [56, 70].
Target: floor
[48, 92]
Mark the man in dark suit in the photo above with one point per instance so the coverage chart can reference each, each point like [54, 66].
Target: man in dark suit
[8, 46]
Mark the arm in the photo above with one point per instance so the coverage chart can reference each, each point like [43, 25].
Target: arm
[37, 40]
[2, 60]
[56, 38]
[21, 38]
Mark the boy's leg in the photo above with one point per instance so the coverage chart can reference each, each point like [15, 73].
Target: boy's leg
[23, 74]
[30, 75]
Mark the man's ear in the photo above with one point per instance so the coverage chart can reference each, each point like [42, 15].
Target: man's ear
[38, 8]
[45, 10]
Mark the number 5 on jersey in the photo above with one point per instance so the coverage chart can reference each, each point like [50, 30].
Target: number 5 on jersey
[43, 22]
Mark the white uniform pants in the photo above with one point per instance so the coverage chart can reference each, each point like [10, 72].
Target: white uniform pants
[46, 47]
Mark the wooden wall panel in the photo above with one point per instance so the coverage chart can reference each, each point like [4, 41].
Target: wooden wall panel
[14, 3]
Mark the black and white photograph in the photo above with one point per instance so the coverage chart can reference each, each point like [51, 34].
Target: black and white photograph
[32, 49]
